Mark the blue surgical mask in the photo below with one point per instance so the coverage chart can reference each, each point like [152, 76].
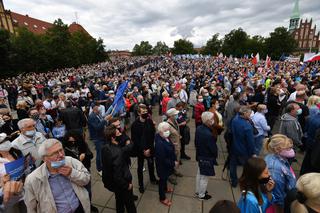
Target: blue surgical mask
[299, 111]
[176, 117]
[57, 164]
[30, 133]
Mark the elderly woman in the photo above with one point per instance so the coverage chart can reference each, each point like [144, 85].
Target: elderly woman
[12, 190]
[165, 159]
[308, 194]
[22, 110]
[280, 150]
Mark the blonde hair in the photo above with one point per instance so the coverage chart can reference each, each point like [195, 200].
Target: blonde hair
[313, 100]
[21, 105]
[165, 93]
[309, 186]
[277, 143]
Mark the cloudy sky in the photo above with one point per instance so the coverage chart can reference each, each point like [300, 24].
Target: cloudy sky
[122, 24]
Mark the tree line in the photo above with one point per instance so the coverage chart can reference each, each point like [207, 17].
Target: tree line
[236, 43]
[25, 51]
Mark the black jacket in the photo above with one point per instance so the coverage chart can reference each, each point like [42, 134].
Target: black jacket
[73, 118]
[116, 175]
[142, 135]
[76, 150]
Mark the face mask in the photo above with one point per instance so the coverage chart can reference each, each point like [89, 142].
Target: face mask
[265, 111]
[35, 117]
[287, 153]
[264, 180]
[5, 146]
[57, 164]
[30, 133]
[299, 111]
[217, 107]
[118, 138]
[166, 134]
[176, 117]
[206, 94]
[144, 116]
[175, 95]
[200, 100]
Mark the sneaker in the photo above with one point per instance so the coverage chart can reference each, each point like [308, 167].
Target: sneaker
[94, 209]
[144, 169]
[186, 157]
[206, 197]
[135, 197]
[197, 194]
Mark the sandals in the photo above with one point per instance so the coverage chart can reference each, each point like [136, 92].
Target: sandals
[166, 202]
[169, 190]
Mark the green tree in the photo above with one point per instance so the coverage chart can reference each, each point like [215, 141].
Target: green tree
[279, 42]
[235, 42]
[144, 48]
[183, 46]
[161, 48]
[5, 48]
[213, 45]
[256, 44]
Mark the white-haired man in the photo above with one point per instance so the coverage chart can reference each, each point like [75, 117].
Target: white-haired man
[58, 184]
[206, 154]
[29, 140]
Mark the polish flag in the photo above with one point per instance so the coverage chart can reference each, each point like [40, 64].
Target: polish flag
[314, 58]
[268, 61]
[256, 59]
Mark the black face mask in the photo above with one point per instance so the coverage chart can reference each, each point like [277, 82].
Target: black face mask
[144, 116]
[118, 138]
[264, 180]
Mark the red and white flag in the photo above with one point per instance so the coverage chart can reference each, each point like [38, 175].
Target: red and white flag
[255, 59]
[268, 61]
[314, 58]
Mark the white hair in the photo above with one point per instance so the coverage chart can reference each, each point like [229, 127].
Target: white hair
[162, 126]
[21, 124]
[42, 151]
[206, 116]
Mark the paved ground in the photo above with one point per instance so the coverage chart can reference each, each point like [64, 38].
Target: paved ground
[182, 196]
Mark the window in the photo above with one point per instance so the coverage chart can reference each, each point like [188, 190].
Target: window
[43, 28]
[25, 23]
[15, 21]
[35, 26]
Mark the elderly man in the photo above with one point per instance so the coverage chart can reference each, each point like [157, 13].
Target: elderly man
[206, 154]
[29, 140]
[289, 124]
[58, 184]
[242, 147]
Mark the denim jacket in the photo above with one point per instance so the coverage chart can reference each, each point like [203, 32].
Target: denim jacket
[285, 180]
[249, 204]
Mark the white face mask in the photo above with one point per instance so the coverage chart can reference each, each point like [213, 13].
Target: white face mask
[166, 134]
[5, 146]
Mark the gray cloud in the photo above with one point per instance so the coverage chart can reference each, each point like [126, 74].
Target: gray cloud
[123, 23]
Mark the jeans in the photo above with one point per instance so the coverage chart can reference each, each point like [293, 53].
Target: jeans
[163, 187]
[150, 162]
[258, 142]
[124, 199]
[234, 162]
[98, 145]
[201, 184]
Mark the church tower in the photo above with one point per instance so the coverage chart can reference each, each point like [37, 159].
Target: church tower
[295, 17]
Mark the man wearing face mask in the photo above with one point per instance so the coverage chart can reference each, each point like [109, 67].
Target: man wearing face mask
[10, 127]
[29, 139]
[289, 124]
[44, 123]
[58, 184]
[206, 154]
[142, 135]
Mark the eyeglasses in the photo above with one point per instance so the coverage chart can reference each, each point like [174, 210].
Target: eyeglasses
[56, 153]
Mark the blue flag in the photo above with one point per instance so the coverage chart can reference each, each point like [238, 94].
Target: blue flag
[276, 68]
[118, 102]
[303, 67]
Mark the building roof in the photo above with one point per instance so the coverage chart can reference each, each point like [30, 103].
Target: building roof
[33, 25]
[295, 12]
[75, 27]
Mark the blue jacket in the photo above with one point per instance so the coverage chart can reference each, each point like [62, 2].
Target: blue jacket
[96, 127]
[249, 204]
[313, 124]
[243, 138]
[205, 143]
[164, 156]
[279, 169]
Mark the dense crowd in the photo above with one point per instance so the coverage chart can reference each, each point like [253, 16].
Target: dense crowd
[265, 113]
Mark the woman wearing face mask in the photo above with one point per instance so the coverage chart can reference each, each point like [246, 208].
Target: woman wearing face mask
[217, 128]
[280, 150]
[165, 159]
[256, 185]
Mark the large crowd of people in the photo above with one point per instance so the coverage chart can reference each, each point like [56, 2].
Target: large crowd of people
[265, 114]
